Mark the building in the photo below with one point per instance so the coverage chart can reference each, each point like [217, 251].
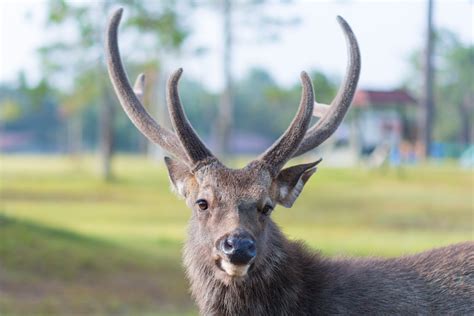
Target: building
[380, 127]
[384, 118]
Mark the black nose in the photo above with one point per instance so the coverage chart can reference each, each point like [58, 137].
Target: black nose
[239, 249]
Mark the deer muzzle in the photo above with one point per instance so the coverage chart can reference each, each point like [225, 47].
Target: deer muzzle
[237, 251]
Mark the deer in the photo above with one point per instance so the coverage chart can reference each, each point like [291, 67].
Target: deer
[237, 259]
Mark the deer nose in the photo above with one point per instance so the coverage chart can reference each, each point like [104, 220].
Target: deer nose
[239, 249]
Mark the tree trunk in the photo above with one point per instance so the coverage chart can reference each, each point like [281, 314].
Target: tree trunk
[428, 104]
[224, 120]
[106, 129]
[157, 105]
[74, 135]
[465, 115]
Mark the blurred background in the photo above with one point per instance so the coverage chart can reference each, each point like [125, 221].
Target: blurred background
[88, 225]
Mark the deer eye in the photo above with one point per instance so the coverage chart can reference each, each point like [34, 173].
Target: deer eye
[267, 209]
[202, 204]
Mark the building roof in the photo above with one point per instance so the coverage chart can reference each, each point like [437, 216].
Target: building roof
[365, 98]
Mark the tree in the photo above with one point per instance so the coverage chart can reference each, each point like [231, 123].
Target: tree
[258, 98]
[80, 57]
[456, 87]
[10, 111]
[428, 105]
[224, 120]
[228, 9]
[453, 89]
[31, 111]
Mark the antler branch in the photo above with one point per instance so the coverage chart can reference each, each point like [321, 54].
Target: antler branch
[282, 150]
[195, 149]
[334, 115]
[129, 100]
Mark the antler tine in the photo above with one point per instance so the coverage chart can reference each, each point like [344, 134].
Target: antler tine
[129, 100]
[195, 149]
[139, 87]
[328, 124]
[282, 150]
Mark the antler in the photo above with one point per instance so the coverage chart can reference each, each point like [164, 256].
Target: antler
[334, 115]
[283, 149]
[192, 144]
[187, 145]
[129, 100]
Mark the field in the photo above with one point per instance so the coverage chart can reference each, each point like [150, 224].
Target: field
[73, 245]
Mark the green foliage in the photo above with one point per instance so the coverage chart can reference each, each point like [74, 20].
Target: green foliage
[259, 99]
[76, 85]
[253, 104]
[9, 110]
[200, 104]
[72, 244]
[454, 85]
[58, 11]
[32, 112]
[75, 65]
[166, 23]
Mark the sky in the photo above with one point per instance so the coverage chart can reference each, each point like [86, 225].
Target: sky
[387, 31]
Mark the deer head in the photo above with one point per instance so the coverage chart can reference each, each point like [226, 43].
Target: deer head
[231, 223]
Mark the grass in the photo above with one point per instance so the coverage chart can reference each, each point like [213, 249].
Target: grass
[54, 271]
[71, 244]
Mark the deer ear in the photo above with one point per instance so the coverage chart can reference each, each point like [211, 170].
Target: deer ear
[179, 175]
[290, 182]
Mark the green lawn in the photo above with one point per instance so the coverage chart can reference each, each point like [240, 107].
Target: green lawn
[73, 245]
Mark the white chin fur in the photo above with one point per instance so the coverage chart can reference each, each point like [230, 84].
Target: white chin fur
[234, 270]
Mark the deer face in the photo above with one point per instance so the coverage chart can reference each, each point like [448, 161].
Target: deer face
[231, 208]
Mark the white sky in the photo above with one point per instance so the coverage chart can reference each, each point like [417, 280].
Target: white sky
[388, 31]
